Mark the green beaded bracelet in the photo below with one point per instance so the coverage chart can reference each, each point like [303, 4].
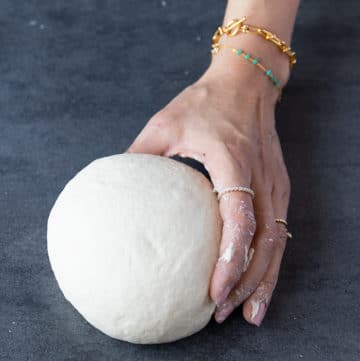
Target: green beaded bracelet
[247, 56]
[255, 61]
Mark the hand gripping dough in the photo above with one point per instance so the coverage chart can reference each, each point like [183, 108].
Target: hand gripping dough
[133, 240]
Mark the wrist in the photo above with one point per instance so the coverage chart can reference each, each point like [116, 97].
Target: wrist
[226, 63]
[242, 104]
[278, 16]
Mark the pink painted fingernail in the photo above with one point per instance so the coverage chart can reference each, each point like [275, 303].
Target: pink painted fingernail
[258, 312]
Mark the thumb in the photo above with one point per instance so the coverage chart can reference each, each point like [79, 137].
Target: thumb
[152, 140]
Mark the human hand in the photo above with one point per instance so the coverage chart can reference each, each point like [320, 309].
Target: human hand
[226, 121]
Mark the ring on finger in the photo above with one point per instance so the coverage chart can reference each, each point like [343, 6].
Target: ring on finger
[223, 191]
[284, 222]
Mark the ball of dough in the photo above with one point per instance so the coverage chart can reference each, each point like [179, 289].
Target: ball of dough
[133, 240]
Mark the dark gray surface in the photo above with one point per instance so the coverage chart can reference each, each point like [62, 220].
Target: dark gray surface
[80, 78]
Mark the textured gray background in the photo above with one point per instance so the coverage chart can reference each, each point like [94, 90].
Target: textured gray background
[78, 81]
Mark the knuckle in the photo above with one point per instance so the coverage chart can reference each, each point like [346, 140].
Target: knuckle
[242, 292]
[265, 290]
[220, 150]
[268, 240]
[267, 287]
[282, 236]
[249, 223]
[241, 151]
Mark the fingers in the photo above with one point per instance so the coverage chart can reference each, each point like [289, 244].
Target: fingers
[155, 138]
[238, 229]
[257, 304]
[264, 242]
[238, 223]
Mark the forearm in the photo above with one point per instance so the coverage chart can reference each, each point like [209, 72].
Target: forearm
[277, 16]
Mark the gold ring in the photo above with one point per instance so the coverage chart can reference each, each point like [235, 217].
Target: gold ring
[280, 220]
[283, 221]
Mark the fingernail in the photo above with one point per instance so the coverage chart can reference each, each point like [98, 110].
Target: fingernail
[223, 312]
[220, 318]
[257, 313]
[223, 296]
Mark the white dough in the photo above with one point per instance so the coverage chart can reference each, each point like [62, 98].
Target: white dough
[133, 240]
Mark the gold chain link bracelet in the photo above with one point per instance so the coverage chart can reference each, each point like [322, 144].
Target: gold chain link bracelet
[236, 26]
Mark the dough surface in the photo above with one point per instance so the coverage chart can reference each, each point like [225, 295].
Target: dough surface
[133, 240]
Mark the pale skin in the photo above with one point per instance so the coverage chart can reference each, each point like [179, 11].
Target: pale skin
[226, 121]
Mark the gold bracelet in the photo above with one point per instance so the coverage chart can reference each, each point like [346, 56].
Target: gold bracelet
[236, 26]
